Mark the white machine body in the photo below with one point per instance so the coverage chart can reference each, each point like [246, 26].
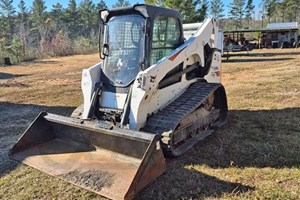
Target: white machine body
[146, 98]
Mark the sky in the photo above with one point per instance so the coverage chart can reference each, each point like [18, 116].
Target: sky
[109, 3]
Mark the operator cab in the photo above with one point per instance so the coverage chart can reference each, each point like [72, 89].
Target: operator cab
[134, 38]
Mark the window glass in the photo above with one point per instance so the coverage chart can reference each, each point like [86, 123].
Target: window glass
[165, 38]
[126, 40]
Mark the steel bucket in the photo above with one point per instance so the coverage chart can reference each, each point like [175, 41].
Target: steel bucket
[113, 162]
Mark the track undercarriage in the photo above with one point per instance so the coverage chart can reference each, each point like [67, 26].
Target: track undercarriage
[197, 113]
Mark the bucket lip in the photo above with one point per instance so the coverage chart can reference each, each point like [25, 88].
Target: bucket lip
[87, 125]
[93, 126]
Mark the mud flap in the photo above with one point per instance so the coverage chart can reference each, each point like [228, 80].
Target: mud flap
[114, 163]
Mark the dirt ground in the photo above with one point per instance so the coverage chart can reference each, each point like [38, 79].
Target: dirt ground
[255, 156]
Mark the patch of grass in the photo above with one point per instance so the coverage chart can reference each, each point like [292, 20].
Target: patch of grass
[33, 184]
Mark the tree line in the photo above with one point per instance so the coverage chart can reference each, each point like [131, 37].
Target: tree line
[31, 31]
[284, 11]
[240, 12]
[198, 10]
[270, 10]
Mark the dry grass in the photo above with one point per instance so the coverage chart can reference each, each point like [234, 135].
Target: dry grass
[256, 156]
[51, 82]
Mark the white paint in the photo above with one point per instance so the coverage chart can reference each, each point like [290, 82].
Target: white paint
[147, 98]
[89, 77]
[113, 100]
[214, 73]
[220, 41]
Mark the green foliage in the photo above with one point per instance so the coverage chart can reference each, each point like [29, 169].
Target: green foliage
[38, 32]
[101, 5]
[22, 7]
[57, 14]
[121, 3]
[7, 8]
[236, 12]
[88, 17]
[282, 11]
[83, 45]
[217, 8]
[37, 20]
[270, 7]
[62, 31]
[190, 10]
[71, 18]
[7, 11]
[201, 13]
[14, 50]
[155, 2]
[23, 26]
[249, 9]
[186, 8]
[38, 15]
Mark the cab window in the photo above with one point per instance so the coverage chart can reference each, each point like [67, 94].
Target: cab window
[165, 37]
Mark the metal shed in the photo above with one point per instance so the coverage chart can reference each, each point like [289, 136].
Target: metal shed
[281, 34]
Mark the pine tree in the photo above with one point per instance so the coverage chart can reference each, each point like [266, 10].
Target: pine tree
[38, 26]
[88, 17]
[237, 12]
[71, 19]
[38, 15]
[293, 9]
[57, 14]
[24, 26]
[121, 3]
[187, 9]
[7, 19]
[101, 5]
[155, 2]
[270, 6]
[249, 9]
[282, 9]
[217, 8]
[23, 12]
[201, 13]
[190, 10]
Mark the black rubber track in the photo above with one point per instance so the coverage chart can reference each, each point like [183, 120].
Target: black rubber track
[168, 118]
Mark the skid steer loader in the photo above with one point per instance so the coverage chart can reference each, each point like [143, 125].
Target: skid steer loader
[155, 94]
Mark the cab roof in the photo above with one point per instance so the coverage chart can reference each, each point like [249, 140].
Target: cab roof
[149, 11]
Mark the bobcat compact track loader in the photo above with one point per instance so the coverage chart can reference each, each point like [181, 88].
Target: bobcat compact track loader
[155, 94]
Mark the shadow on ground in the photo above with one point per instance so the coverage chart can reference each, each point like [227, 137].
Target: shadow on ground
[257, 54]
[256, 57]
[274, 54]
[182, 183]
[45, 61]
[266, 138]
[256, 60]
[9, 76]
[15, 118]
